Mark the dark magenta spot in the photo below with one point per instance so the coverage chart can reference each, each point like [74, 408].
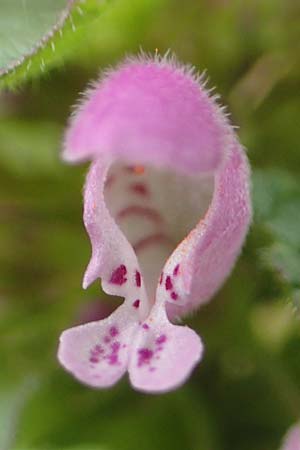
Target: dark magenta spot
[168, 283]
[138, 279]
[119, 275]
[174, 296]
[145, 326]
[94, 359]
[176, 270]
[107, 339]
[98, 349]
[145, 356]
[113, 331]
[161, 339]
[115, 347]
[161, 278]
[136, 303]
[139, 188]
[113, 359]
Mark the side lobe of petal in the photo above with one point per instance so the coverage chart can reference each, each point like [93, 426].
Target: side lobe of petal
[113, 258]
[163, 355]
[97, 353]
[207, 255]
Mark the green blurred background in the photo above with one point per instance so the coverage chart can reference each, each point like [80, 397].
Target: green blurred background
[246, 392]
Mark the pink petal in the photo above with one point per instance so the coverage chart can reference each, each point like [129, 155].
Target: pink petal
[113, 258]
[163, 355]
[155, 112]
[97, 353]
[143, 107]
[207, 255]
[167, 173]
[292, 439]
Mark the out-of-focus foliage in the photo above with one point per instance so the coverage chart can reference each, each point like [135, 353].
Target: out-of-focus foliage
[276, 197]
[246, 392]
[37, 35]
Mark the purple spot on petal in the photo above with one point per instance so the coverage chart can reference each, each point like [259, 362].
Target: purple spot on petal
[161, 339]
[176, 270]
[138, 279]
[115, 347]
[113, 331]
[144, 356]
[113, 359]
[119, 275]
[106, 339]
[136, 303]
[94, 359]
[174, 296]
[145, 326]
[139, 188]
[168, 283]
[98, 349]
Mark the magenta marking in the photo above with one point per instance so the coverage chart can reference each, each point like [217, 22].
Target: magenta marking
[95, 353]
[119, 275]
[145, 356]
[98, 349]
[113, 331]
[176, 270]
[174, 296]
[161, 339]
[115, 347]
[145, 326]
[168, 283]
[106, 339]
[94, 359]
[136, 303]
[140, 189]
[113, 359]
[138, 279]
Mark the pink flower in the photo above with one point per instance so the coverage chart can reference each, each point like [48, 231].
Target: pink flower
[292, 439]
[167, 208]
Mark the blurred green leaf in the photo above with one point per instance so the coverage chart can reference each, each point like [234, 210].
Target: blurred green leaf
[36, 35]
[25, 26]
[276, 197]
[81, 447]
[13, 397]
[30, 148]
[102, 418]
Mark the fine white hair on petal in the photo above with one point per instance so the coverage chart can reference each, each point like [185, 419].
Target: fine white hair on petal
[168, 59]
